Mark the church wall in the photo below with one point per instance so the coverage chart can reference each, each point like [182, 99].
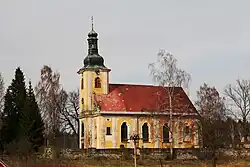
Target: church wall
[113, 140]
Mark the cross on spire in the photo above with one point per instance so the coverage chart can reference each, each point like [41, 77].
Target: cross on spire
[92, 20]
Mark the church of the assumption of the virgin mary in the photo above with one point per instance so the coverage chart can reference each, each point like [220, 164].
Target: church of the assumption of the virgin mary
[111, 113]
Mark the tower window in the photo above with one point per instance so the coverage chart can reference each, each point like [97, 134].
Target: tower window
[82, 84]
[97, 82]
[108, 131]
[82, 101]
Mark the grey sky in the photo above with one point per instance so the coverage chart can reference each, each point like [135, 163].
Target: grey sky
[210, 39]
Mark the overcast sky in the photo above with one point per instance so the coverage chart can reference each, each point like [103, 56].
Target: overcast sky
[210, 39]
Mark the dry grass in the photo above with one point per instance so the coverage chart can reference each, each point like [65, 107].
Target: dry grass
[242, 163]
[17, 162]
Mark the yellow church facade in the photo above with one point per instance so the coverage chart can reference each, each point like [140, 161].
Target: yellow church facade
[111, 113]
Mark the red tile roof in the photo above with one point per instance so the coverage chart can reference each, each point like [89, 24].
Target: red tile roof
[137, 98]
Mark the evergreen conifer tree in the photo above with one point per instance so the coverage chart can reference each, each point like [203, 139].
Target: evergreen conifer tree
[22, 119]
[10, 119]
[15, 99]
[32, 121]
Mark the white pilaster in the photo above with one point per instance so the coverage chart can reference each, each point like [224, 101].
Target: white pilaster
[98, 132]
[114, 132]
[105, 82]
[93, 133]
[102, 133]
[80, 133]
[134, 125]
[90, 91]
[129, 134]
[90, 132]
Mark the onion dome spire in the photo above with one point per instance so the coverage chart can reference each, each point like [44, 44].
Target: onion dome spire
[93, 59]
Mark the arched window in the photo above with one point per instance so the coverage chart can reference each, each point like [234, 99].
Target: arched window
[124, 132]
[82, 84]
[145, 134]
[97, 82]
[82, 129]
[165, 133]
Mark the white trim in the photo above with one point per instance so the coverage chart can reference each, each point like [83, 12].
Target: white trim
[144, 113]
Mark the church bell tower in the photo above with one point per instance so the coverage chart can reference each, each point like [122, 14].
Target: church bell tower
[94, 79]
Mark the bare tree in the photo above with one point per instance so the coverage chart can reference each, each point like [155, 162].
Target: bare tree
[209, 103]
[238, 97]
[70, 111]
[165, 73]
[211, 108]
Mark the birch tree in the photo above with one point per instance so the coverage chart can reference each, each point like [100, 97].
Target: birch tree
[238, 96]
[165, 73]
[48, 91]
[59, 108]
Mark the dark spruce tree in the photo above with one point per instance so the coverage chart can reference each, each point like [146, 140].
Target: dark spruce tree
[15, 99]
[32, 121]
[10, 119]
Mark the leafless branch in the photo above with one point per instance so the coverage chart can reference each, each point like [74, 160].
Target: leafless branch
[238, 98]
[209, 103]
[165, 72]
[70, 111]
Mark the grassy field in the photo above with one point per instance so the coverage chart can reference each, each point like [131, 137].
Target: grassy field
[122, 163]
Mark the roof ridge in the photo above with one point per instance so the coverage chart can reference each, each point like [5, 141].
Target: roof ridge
[146, 85]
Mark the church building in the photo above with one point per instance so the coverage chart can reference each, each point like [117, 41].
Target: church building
[111, 113]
